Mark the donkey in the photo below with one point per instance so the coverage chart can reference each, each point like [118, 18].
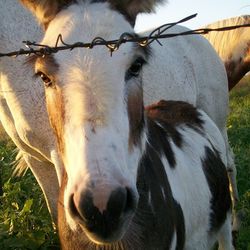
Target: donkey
[181, 199]
[78, 86]
[236, 53]
[95, 107]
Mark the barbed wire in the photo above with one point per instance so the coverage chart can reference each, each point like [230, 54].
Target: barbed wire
[113, 45]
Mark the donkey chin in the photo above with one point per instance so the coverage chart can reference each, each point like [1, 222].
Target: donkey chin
[107, 226]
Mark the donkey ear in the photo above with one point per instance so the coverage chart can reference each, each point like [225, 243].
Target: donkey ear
[131, 8]
[45, 10]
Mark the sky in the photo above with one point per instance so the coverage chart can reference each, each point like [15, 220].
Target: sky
[208, 11]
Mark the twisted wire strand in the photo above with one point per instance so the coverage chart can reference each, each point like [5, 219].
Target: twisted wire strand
[113, 45]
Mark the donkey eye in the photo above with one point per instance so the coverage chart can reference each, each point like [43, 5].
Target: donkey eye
[136, 67]
[46, 80]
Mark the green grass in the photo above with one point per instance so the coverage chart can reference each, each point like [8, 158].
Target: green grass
[25, 222]
[239, 137]
[24, 219]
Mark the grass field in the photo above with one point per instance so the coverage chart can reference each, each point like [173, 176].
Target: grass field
[25, 221]
[239, 136]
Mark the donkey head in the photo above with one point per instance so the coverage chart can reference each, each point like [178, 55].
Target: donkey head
[95, 105]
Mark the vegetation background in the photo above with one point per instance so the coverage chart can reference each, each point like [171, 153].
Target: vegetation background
[24, 219]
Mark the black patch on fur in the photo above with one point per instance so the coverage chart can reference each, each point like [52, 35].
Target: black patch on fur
[180, 226]
[217, 179]
[158, 138]
[98, 1]
[161, 216]
[163, 118]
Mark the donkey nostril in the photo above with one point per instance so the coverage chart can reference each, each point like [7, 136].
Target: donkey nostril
[104, 225]
[81, 206]
[117, 202]
[131, 200]
[121, 201]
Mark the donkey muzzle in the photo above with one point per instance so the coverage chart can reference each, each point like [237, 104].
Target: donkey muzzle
[104, 225]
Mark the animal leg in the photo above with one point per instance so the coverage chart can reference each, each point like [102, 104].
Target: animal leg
[46, 177]
[231, 170]
[225, 235]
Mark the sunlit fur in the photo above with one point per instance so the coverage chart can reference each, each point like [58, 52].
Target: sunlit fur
[232, 46]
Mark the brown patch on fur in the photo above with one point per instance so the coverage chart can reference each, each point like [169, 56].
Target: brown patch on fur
[46, 10]
[174, 113]
[136, 115]
[54, 97]
[56, 112]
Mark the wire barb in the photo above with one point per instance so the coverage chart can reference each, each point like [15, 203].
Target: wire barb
[113, 45]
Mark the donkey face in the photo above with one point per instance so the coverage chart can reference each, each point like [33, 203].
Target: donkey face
[95, 105]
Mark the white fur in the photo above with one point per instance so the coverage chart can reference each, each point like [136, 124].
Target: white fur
[174, 242]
